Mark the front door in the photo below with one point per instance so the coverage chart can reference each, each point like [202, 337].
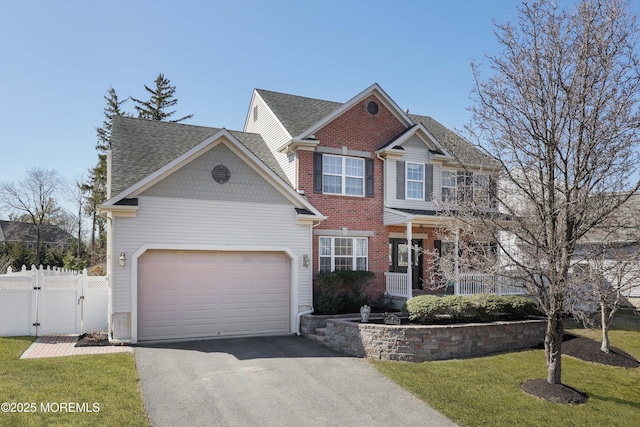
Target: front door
[399, 259]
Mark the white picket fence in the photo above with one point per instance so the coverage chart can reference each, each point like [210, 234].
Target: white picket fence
[52, 301]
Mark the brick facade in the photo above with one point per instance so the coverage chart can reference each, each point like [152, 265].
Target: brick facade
[358, 130]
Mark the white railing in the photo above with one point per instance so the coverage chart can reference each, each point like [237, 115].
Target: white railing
[470, 284]
[396, 284]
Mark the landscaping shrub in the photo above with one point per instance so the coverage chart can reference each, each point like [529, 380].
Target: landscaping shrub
[482, 307]
[341, 291]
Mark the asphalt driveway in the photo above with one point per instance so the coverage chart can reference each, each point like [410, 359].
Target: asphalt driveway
[275, 381]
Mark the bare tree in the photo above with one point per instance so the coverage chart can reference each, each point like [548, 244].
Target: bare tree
[76, 194]
[5, 263]
[559, 114]
[34, 198]
[609, 262]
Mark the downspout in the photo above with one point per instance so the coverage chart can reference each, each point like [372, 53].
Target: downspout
[302, 313]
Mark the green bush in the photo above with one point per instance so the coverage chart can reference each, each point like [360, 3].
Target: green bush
[341, 291]
[482, 307]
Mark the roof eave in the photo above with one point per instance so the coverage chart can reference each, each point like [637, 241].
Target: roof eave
[298, 145]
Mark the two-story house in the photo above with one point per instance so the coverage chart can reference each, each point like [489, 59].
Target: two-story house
[376, 172]
[215, 233]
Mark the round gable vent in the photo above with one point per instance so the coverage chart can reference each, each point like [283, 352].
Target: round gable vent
[221, 174]
[372, 108]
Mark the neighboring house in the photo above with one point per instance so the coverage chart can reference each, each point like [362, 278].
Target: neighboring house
[220, 233]
[51, 236]
[376, 172]
[617, 243]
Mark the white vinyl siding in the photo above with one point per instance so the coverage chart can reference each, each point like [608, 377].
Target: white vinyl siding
[273, 133]
[416, 155]
[164, 220]
[343, 253]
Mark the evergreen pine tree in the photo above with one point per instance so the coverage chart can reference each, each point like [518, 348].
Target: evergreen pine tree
[161, 99]
[97, 184]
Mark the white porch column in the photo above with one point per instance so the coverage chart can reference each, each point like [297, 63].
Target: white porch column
[410, 261]
[456, 265]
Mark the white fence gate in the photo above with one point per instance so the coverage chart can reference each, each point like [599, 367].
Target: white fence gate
[41, 302]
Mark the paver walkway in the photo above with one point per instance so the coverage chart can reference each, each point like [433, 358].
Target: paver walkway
[64, 345]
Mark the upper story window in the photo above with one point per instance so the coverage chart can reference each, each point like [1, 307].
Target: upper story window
[342, 175]
[458, 186]
[415, 181]
[449, 184]
[481, 189]
[343, 253]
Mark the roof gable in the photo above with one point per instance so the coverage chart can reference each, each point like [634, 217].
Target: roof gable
[135, 141]
[140, 147]
[421, 133]
[194, 180]
[374, 89]
[296, 113]
[459, 148]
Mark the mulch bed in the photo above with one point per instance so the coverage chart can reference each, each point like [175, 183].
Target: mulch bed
[589, 350]
[556, 393]
[94, 339]
[584, 349]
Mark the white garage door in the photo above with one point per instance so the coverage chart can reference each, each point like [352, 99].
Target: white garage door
[191, 294]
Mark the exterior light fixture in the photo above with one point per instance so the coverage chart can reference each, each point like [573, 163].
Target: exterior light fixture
[306, 261]
[122, 259]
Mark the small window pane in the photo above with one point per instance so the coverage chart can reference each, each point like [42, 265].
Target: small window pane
[344, 263]
[343, 246]
[415, 171]
[354, 167]
[361, 264]
[325, 246]
[353, 186]
[332, 184]
[332, 165]
[361, 247]
[403, 257]
[414, 190]
[448, 179]
[325, 264]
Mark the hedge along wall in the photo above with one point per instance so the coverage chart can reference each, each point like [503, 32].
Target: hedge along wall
[419, 343]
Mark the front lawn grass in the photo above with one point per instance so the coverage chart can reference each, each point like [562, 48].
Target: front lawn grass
[110, 380]
[485, 391]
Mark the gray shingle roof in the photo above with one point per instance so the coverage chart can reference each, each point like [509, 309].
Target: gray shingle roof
[16, 231]
[457, 146]
[140, 147]
[297, 113]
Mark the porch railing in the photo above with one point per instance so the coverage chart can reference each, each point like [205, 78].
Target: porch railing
[396, 284]
[487, 284]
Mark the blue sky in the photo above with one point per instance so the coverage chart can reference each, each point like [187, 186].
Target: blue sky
[58, 59]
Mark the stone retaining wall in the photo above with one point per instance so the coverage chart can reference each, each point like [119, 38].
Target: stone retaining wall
[416, 343]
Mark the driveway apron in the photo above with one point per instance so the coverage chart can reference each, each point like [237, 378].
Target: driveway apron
[271, 381]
